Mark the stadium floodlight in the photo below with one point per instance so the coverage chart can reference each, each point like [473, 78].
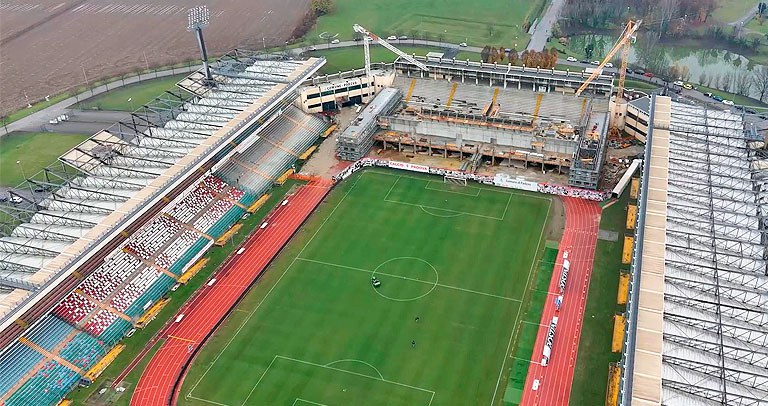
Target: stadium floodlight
[198, 18]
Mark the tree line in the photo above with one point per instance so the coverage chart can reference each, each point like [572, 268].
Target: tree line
[546, 59]
[742, 82]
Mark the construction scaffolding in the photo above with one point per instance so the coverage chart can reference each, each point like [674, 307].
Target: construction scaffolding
[493, 125]
[589, 157]
[357, 139]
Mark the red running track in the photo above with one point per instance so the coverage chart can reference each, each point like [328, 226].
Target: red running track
[582, 222]
[161, 380]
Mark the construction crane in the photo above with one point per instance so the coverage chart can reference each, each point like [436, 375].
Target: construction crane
[369, 36]
[628, 37]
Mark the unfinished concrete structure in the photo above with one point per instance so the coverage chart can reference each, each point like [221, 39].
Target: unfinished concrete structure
[502, 126]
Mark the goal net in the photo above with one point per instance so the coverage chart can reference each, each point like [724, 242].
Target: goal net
[454, 180]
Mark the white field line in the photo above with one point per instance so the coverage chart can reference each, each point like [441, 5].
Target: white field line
[514, 326]
[476, 189]
[412, 279]
[272, 288]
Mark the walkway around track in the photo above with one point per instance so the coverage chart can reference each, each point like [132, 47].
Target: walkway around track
[162, 378]
[582, 222]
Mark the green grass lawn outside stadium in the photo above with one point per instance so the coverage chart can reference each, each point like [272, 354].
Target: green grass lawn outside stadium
[313, 329]
[140, 93]
[491, 22]
[34, 151]
[344, 59]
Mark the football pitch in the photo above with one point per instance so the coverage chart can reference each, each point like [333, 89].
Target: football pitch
[454, 264]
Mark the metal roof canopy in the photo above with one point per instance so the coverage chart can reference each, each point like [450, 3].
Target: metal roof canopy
[118, 163]
[715, 283]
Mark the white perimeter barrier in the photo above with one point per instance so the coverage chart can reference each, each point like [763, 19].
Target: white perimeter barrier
[501, 180]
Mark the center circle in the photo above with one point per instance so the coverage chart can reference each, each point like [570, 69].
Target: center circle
[404, 279]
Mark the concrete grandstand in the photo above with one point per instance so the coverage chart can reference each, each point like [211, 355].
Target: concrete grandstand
[697, 325]
[109, 230]
[506, 114]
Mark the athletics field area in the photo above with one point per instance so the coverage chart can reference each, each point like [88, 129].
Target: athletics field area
[454, 262]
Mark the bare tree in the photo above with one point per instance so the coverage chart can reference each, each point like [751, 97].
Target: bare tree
[667, 9]
[727, 79]
[743, 83]
[717, 81]
[760, 81]
[703, 78]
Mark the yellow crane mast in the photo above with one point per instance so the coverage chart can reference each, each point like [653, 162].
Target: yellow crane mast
[627, 37]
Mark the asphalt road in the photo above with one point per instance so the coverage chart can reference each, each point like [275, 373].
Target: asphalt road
[543, 28]
[40, 119]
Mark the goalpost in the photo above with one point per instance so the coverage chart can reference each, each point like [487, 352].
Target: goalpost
[454, 180]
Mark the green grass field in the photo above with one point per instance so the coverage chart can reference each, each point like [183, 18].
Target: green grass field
[529, 327]
[729, 11]
[491, 22]
[139, 93]
[313, 330]
[637, 84]
[344, 59]
[34, 150]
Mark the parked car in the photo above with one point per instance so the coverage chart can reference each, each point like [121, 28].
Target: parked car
[708, 94]
[648, 74]
[463, 44]
[595, 62]
[571, 59]
[391, 37]
[718, 98]
[402, 37]
[688, 86]
[630, 71]
[750, 111]
[609, 65]
[728, 102]
[584, 61]
[15, 199]
[678, 83]
[336, 41]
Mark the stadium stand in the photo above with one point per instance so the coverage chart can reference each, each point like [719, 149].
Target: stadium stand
[696, 314]
[73, 308]
[45, 355]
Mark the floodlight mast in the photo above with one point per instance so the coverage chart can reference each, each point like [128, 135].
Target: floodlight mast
[198, 18]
